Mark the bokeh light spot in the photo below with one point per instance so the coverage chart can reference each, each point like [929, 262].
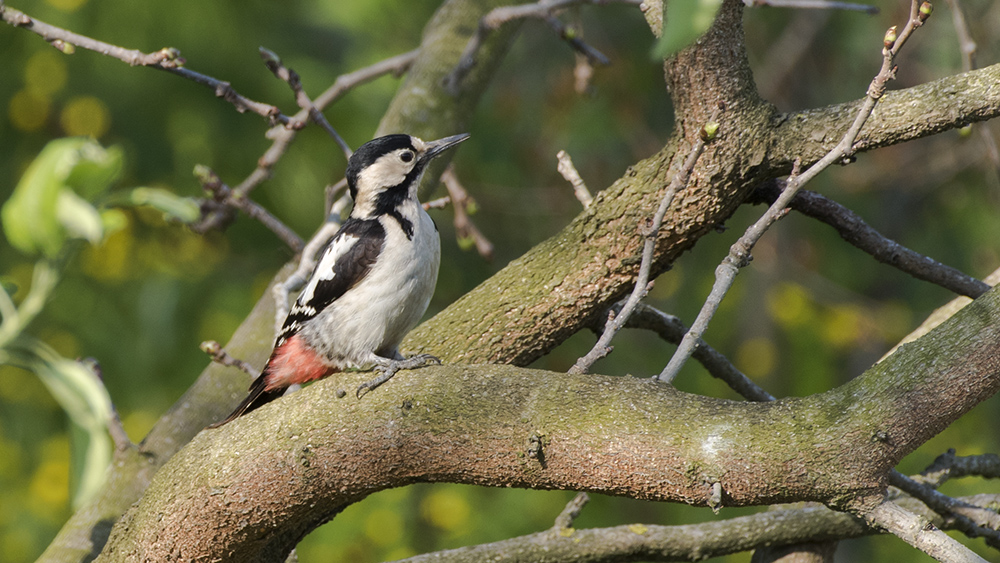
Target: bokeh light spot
[757, 357]
[842, 325]
[45, 72]
[445, 509]
[67, 5]
[383, 527]
[85, 116]
[789, 304]
[28, 111]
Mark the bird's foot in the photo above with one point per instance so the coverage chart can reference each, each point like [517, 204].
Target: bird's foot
[388, 368]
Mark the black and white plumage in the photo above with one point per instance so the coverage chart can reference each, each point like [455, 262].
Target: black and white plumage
[373, 283]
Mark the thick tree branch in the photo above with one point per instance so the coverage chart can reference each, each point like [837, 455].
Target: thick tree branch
[229, 490]
[902, 115]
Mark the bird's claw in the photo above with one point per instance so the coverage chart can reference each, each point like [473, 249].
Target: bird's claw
[389, 369]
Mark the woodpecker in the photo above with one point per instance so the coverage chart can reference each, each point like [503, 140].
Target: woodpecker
[373, 282]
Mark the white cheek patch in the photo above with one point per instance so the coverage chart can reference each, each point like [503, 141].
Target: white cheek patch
[387, 171]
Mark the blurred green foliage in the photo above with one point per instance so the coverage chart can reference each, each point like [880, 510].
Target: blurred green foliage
[808, 314]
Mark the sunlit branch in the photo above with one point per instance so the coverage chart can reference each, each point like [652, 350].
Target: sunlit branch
[569, 172]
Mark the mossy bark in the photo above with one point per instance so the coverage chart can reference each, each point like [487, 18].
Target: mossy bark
[226, 496]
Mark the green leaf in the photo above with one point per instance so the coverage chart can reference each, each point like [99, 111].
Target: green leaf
[96, 169]
[83, 396]
[183, 209]
[49, 204]
[684, 22]
[78, 217]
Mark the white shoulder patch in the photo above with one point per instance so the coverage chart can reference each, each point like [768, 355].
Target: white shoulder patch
[324, 270]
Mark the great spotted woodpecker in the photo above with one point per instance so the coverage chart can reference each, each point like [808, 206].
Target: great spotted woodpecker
[373, 282]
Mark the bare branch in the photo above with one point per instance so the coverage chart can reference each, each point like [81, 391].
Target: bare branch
[739, 254]
[439, 203]
[167, 59]
[785, 526]
[949, 466]
[465, 229]
[650, 232]
[223, 195]
[282, 137]
[860, 234]
[920, 533]
[274, 64]
[571, 511]
[972, 521]
[115, 427]
[967, 46]
[671, 329]
[220, 356]
[818, 4]
[568, 171]
[544, 10]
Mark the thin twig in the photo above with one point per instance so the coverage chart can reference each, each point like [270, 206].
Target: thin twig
[274, 64]
[915, 531]
[971, 520]
[968, 47]
[818, 4]
[690, 542]
[439, 203]
[571, 511]
[569, 172]
[671, 329]
[965, 42]
[739, 255]
[650, 232]
[115, 427]
[225, 196]
[861, 235]
[220, 356]
[950, 466]
[167, 59]
[572, 37]
[282, 137]
[332, 196]
[544, 10]
[465, 229]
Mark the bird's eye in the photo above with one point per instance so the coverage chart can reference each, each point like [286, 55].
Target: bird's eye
[406, 156]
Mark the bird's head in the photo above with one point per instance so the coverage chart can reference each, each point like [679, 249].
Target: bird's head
[387, 170]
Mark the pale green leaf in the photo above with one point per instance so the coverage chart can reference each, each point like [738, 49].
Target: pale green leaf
[685, 21]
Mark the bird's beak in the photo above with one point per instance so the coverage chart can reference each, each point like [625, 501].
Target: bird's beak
[434, 148]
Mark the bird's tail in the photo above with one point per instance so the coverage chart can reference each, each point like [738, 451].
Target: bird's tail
[258, 397]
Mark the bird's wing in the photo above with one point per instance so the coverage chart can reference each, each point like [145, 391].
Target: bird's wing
[347, 260]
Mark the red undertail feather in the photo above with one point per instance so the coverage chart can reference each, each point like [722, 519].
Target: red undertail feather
[292, 362]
